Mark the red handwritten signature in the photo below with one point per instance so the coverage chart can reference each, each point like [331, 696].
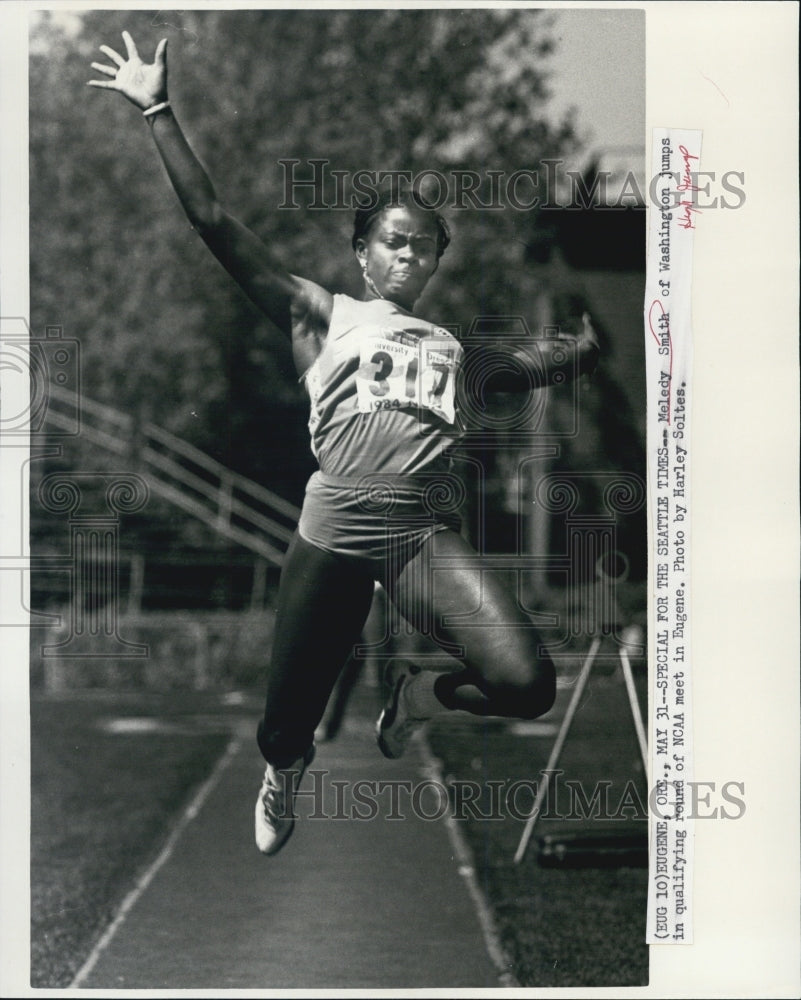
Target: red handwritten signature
[659, 325]
[686, 183]
[688, 208]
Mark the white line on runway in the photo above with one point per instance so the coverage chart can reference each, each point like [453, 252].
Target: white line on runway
[464, 857]
[146, 878]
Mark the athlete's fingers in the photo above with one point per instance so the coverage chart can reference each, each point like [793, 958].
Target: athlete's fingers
[108, 70]
[113, 56]
[161, 50]
[130, 46]
[106, 84]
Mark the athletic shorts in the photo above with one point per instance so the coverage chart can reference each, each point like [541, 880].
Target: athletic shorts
[383, 520]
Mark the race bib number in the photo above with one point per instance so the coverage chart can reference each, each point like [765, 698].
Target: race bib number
[394, 375]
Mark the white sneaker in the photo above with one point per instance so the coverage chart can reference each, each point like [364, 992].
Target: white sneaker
[275, 818]
[395, 726]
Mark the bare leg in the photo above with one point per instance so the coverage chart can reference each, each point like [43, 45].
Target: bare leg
[506, 670]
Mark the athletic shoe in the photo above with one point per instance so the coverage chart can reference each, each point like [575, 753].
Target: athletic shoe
[395, 726]
[274, 815]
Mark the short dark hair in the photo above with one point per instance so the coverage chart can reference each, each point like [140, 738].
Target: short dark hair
[366, 216]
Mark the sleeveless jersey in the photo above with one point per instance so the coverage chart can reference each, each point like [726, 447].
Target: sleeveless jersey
[382, 391]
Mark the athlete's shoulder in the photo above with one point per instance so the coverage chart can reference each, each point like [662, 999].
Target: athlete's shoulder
[349, 314]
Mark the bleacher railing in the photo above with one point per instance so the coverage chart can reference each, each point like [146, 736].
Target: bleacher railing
[230, 504]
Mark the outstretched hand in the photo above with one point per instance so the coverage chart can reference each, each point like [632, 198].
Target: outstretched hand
[144, 84]
[588, 342]
[588, 334]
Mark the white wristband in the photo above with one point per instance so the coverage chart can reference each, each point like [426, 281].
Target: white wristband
[156, 108]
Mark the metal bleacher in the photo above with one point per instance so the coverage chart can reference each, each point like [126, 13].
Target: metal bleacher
[233, 506]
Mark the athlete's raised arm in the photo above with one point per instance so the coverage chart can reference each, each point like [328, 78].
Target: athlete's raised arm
[301, 308]
[547, 361]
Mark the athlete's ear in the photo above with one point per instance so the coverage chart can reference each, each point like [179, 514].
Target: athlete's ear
[361, 252]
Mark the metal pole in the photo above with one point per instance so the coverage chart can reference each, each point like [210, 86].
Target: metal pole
[559, 743]
[635, 706]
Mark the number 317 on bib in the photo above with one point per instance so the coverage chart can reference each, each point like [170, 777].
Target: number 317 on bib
[421, 376]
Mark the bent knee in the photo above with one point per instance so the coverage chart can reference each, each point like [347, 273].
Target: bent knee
[540, 693]
[527, 692]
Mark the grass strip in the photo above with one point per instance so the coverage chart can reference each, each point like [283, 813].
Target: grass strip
[560, 926]
[101, 805]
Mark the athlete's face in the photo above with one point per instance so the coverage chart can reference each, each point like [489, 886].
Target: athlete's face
[399, 255]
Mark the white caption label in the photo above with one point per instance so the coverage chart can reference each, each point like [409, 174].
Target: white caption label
[673, 216]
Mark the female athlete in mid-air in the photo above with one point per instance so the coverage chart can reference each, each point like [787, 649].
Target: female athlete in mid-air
[384, 414]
